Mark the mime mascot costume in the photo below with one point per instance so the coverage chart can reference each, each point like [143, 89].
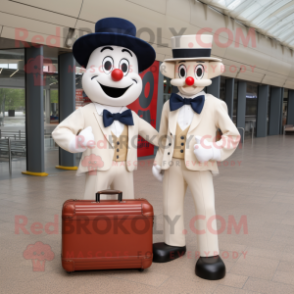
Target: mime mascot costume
[105, 130]
[188, 154]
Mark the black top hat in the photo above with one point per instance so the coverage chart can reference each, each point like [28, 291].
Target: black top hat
[116, 32]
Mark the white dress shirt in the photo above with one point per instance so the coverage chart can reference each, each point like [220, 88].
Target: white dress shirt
[116, 127]
[186, 112]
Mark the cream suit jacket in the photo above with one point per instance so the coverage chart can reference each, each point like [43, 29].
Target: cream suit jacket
[104, 147]
[214, 116]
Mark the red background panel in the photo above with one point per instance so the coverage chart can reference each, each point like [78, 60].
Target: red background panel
[144, 148]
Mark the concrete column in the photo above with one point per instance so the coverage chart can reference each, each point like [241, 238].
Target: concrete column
[275, 111]
[229, 95]
[67, 102]
[34, 95]
[47, 105]
[241, 106]
[214, 88]
[262, 110]
[290, 111]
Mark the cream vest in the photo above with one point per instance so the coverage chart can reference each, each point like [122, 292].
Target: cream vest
[180, 143]
[120, 145]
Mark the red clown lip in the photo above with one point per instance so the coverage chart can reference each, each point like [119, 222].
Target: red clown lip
[112, 91]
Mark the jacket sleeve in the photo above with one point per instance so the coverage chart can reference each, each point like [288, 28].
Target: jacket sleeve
[162, 135]
[230, 134]
[146, 131]
[68, 128]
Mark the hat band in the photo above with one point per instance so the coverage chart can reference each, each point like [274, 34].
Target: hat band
[114, 30]
[191, 53]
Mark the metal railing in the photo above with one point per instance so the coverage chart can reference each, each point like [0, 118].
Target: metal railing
[9, 156]
[12, 134]
[251, 128]
[19, 134]
[12, 149]
[243, 134]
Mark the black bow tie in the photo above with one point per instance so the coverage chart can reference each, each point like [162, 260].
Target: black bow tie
[197, 103]
[125, 118]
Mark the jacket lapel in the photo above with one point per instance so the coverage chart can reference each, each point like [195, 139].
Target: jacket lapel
[131, 135]
[172, 121]
[197, 117]
[106, 131]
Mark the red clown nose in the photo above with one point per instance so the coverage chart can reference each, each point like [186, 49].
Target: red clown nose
[189, 81]
[117, 74]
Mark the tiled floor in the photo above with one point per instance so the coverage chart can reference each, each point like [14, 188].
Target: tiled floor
[257, 183]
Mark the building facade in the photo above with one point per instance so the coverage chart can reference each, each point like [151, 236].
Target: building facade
[40, 82]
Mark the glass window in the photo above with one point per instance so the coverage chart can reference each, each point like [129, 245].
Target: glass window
[167, 89]
[51, 113]
[251, 107]
[285, 106]
[223, 88]
[13, 65]
[235, 104]
[12, 111]
[268, 108]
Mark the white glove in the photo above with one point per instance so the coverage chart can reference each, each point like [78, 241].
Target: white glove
[157, 173]
[205, 151]
[80, 143]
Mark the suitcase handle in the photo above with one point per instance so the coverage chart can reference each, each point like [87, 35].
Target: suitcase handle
[109, 192]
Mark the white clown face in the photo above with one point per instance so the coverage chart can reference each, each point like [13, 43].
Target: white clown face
[111, 77]
[191, 77]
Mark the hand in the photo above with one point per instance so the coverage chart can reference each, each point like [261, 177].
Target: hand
[157, 172]
[81, 142]
[205, 151]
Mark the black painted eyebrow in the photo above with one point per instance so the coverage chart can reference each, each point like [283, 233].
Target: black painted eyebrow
[107, 47]
[200, 61]
[126, 50]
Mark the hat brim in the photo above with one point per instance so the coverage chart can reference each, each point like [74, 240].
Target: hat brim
[85, 45]
[194, 58]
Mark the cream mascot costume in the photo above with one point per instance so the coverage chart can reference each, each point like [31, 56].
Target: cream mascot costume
[105, 130]
[188, 153]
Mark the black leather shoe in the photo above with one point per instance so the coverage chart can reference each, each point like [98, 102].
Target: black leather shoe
[210, 268]
[164, 253]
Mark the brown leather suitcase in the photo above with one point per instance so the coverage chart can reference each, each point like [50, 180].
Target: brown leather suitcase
[107, 234]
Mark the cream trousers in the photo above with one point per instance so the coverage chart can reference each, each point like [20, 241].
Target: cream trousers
[175, 182]
[117, 177]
